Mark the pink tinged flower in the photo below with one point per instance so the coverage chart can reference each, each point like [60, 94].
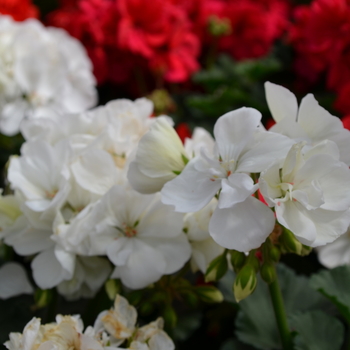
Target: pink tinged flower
[310, 199]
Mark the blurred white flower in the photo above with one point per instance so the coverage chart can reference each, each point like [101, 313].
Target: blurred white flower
[311, 194]
[336, 253]
[65, 333]
[310, 123]
[44, 71]
[13, 281]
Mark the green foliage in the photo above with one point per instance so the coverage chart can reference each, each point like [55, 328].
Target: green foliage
[317, 331]
[234, 344]
[217, 268]
[186, 325]
[335, 285]
[255, 323]
[230, 84]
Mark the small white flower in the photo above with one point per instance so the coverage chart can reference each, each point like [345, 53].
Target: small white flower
[140, 235]
[44, 71]
[310, 123]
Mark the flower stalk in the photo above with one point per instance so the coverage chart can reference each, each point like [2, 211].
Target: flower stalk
[280, 314]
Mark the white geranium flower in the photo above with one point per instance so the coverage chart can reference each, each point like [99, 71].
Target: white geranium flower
[40, 176]
[119, 322]
[240, 149]
[66, 333]
[44, 71]
[9, 211]
[141, 236]
[204, 248]
[336, 253]
[310, 123]
[13, 281]
[311, 194]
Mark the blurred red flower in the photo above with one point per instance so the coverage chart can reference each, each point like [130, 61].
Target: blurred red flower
[19, 9]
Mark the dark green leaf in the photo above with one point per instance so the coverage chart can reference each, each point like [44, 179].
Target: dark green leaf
[256, 323]
[335, 285]
[234, 344]
[317, 331]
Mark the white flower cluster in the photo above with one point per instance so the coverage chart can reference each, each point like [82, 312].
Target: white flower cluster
[300, 166]
[112, 329]
[75, 214]
[43, 71]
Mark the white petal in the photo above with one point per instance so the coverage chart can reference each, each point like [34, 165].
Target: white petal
[234, 130]
[119, 250]
[13, 281]
[281, 101]
[294, 217]
[237, 188]
[191, 190]
[243, 227]
[144, 266]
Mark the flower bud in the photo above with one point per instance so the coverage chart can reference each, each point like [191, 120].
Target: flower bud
[217, 268]
[290, 243]
[42, 298]
[112, 288]
[268, 272]
[209, 294]
[245, 283]
[170, 316]
[163, 103]
[237, 259]
[219, 26]
[275, 254]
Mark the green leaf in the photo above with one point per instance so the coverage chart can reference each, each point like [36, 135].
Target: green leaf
[317, 331]
[234, 344]
[256, 324]
[335, 285]
[187, 325]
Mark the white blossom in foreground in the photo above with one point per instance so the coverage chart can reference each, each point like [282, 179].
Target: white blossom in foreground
[240, 221]
[44, 71]
[311, 193]
[13, 281]
[120, 324]
[310, 122]
[204, 248]
[336, 253]
[141, 236]
[65, 333]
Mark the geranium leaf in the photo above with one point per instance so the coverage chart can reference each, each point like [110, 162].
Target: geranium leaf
[256, 323]
[317, 331]
[335, 285]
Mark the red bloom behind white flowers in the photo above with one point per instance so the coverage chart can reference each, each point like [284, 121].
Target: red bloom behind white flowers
[19, 10]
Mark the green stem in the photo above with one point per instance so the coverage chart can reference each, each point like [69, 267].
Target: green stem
[280, 314]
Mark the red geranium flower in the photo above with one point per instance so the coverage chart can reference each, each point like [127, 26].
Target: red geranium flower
[19, 9]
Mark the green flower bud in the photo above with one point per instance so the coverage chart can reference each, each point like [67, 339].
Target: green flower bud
[290, 243]
[237, 259]
[209, 294]
[42, 298]
[275, 254]
[217, 268]
[219, 26]
[305, 250]
[268, 272]
[170, 316]
[245, 283]
[163, 102]
[112, 288]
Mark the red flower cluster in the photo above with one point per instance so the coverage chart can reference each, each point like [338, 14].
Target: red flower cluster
[321, 37]
[19, 9]
[126, 38]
